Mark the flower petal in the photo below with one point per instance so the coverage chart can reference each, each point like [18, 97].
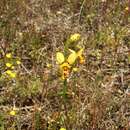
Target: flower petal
[60, 57]
[72, 57]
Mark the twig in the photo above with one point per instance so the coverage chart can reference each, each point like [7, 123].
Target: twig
[26, 69]
[81, 9]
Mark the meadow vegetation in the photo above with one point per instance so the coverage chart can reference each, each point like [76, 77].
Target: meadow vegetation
[64, 64]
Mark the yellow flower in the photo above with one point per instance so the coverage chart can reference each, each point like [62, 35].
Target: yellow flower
[18, 62]
[12, 67]
[11, 74]
[49, 65]
[65, 74]
[72, 57]
[127, 8]
[60, 57]
[8, 55]
[75, 37]
[62, 129]
[12, 113]
[8, 65]
[65, 70]
[8, 72]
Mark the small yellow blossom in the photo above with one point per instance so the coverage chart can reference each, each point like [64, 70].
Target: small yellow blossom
[65, 70]
[65, 74]
[75, 37]
[62, 129]
[11, 74]
[12, 67]
[18, 62]
[12, 113]
[49, 65]
[8, 55]
[8, 65]
[8, 72]
[127, 8]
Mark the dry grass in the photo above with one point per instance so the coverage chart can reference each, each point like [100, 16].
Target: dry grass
[98, 95]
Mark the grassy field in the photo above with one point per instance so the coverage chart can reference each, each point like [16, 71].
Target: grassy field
[64, 65]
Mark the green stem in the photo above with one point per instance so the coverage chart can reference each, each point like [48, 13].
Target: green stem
[65, 90]
[65, 103]
[66, 48]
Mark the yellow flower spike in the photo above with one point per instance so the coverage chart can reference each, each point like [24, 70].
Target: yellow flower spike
[8, 65]
[18, 62]
[12, 113]
[75, 37]
[72, 57]
[9, 55]
[60, 57]
[62, 129]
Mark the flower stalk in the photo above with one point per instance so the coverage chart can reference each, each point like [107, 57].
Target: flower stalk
[72, 55]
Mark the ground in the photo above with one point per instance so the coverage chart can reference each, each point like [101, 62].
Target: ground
[32, 87]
